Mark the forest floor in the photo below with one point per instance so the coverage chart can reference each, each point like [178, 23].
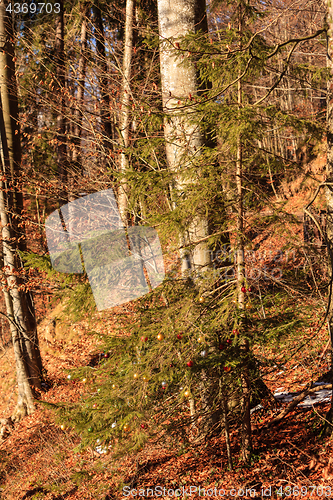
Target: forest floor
[39, 458]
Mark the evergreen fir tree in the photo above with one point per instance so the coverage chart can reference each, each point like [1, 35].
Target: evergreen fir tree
[177, 372]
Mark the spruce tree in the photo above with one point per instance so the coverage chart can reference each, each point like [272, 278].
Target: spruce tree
[178, 372]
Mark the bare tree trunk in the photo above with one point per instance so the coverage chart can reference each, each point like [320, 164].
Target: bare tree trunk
[240, 225]
[8, 92]
[19, 305]
[328, 426]
[101, 63]
[125, 118]
[246, 416]
[60, 87]
[80, 84]
[211, 420]
[183, 137]
[226, 427]
[27, 372]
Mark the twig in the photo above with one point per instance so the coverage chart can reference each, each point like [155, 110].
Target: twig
[315, 221]
[301, 451]
[205, 238]
[280, 76]
[297, 400]
[317, 191]
[329, 250]
[261, 302]
[324, 351]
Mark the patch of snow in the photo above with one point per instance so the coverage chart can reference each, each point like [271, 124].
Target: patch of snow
[258, 407]
[321, 396]
[101, 449]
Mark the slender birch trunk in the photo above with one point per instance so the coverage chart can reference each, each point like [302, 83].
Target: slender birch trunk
[125, 113]
[245, 378]
[246, 416]
[183, 137]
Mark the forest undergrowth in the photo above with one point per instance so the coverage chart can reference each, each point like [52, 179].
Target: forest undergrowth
[41, 458]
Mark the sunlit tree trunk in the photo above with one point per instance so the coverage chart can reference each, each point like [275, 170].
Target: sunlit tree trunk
[60, 105]
[183, 137]
[246, 416]
[328, 426]
[80, 84]
[125, 102]
[19, 305]
[27, 371]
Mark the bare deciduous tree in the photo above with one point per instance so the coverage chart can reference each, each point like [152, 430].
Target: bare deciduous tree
[19, 306]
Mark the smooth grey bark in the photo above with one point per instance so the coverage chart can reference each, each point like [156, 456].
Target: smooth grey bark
[184, 141]
[125, 113]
